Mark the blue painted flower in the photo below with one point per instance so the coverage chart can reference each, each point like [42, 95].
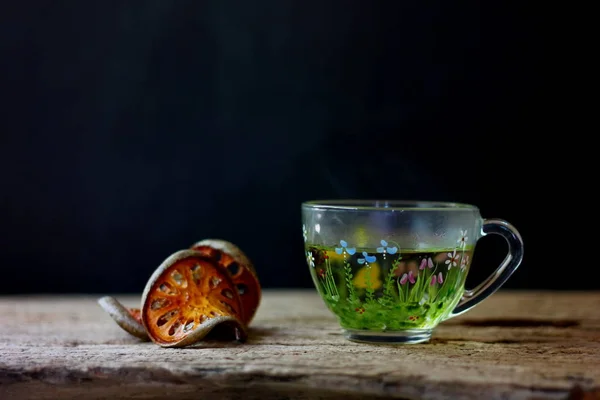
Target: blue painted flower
[367, 258]
[385, 248]
[344, 244]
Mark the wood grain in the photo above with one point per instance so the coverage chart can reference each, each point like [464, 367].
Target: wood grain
[515, 345]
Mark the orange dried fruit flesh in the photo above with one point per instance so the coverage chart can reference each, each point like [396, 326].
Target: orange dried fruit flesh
[129, 319]
[186, 297]
[240, 269]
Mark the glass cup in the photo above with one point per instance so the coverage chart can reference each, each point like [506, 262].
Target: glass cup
[391, 271]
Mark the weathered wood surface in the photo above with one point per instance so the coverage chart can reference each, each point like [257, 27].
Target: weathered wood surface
[512, 346]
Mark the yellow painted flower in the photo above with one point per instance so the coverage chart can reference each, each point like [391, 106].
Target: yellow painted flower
[337, 258]
[372, 271]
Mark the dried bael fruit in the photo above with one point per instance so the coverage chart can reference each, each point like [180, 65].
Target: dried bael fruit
[240, 269]
[187, 297]
[129, 319]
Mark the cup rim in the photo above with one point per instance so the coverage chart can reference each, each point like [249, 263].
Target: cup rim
[386, 205]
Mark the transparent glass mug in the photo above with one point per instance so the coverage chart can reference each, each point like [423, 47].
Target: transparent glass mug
[391, 271]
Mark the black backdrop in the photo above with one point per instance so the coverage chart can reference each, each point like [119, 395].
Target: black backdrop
[132, 129]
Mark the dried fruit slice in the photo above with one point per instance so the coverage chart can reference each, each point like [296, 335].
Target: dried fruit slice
[129, 319]
[186, 298]
[241, 270]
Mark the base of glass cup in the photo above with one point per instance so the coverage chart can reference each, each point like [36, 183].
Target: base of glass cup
[411, 336]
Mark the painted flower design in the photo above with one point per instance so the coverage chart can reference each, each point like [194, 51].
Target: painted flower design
[410, 277]
[437, 279]
[426, 262]
[304, 232]
[464, 262]
[310, 259]
[344, 248]
[462, 240]
[386, 248]
[452, 260]
[367, 258]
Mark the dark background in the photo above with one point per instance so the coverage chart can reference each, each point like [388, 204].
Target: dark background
[132, 129]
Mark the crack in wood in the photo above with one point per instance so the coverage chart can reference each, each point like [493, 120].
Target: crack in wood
[520, 322]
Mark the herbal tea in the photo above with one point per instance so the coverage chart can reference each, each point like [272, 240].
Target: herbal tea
[388, 289]
[400, 266]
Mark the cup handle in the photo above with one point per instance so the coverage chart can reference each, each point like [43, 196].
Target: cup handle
[493, 282]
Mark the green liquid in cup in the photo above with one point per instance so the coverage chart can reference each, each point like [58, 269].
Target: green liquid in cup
[372, 289]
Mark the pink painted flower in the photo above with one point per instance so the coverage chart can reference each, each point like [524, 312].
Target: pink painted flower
[437, 279]
[408, 277]
[411, 277]
[464, 262]
[426, 262]
[403, 279]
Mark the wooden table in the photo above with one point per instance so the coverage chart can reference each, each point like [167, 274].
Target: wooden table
[515, 345]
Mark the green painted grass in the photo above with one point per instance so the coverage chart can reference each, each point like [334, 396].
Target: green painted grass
[385, 299]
